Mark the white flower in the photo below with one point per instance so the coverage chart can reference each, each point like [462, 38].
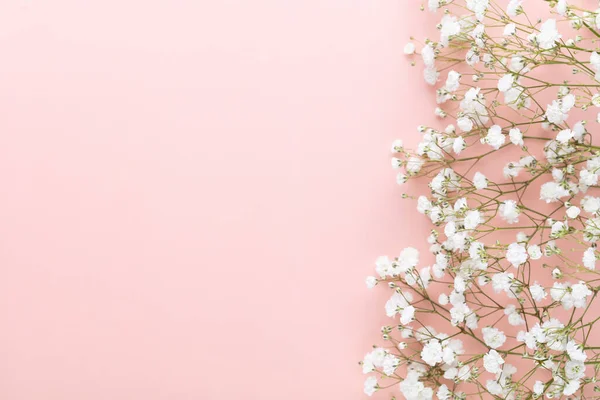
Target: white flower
[517, 64]
[587, 178]
[465, 124]
[556, 113]
[414, 165]
[494, 138]
[432, 352]
[571, 387]
[492, 362]
[383, 266]
[480, 181]
[494, 387]
[449, 27]
[433, 5]
[538, 387]
[513, 7]
[478, 7]
[573, 212]
[401, 178]
[502, 282]
[472, 219]
[443, 299]
[373, 360]
[534, 251]
[390, 364]
[397, 303]
[509, 211]
[556, 273]
[409, 258]
[407, 315]
[548, 35]
[506, 82]
[575, 351]
[458, 313]
[561, 7]
[537, 292]
[444, 393]
[580, 292]
[413, 389]
[591, 204]
[370, 385]
[458, 145]
[564, 136]
[423, 204]
[431, 75]
[595, 63]
[428, 55]
[493, 337]
[558, 230]
[509, 29]
[397, 146]
[516, 254]
[570, 296]
[514, 317]
[589, 258]
[409, 48]
[552, 191]
[516, 137]
[371, 281]
[452, 81]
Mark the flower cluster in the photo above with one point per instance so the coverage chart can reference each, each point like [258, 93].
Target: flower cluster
[502, 304]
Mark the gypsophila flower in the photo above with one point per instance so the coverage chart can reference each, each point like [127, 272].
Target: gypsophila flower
[480, 181]
[409, 48]
[537, 292]
[509, 211]
[516, 137]
[493, 337]
[557, 112]
[534, 251]
[494, 138]
[370, 385]
[548, 35]
[509, 29]
[513, 7]
[516, 254]
[589, 258]
[492, 362]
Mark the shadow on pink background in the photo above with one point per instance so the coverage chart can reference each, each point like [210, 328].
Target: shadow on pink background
[193, 193]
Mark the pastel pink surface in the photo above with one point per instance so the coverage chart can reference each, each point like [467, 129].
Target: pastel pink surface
[193, 193]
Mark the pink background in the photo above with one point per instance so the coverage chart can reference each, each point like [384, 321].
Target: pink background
[194, 191]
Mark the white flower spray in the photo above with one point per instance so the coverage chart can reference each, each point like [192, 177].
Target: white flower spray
[506, 309]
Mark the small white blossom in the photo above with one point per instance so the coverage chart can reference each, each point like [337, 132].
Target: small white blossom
[465, 124]
[370, 385]
[516, 254]
[537, 292]
[509, 211]
[573, 212]
[589, 258]
[409, 48]
[493, 337]
[492, 362]
[509, 29]
[371, 281]
[548, 35]
[516, 137]
[494, 138]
